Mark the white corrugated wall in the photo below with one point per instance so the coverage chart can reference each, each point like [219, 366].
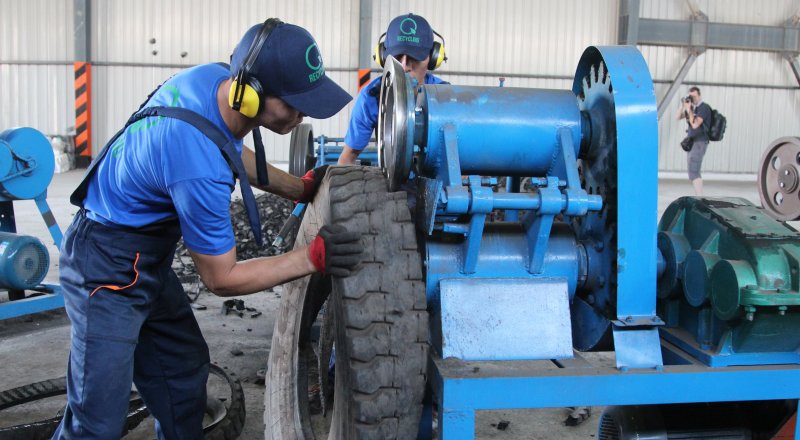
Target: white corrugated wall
[534, 43]
[193, 32]
[36, 95]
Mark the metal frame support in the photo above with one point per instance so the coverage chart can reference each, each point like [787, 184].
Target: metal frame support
[82, 21]
[795, 65]
[628, 22]
[364, 43]
[697, 14]
[364, 34]
[673, 87]
[790, 56]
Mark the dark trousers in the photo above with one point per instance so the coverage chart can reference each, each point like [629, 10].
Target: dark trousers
[131, 322]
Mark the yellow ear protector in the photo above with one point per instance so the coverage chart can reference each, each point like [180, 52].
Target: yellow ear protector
[246, 91]
[437, 55]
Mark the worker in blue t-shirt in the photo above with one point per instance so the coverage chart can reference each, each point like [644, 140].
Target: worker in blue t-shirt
[409, 39]
[169, 173]
[697, 114]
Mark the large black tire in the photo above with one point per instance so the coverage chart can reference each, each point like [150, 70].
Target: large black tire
[228, 417]
[232, 409]
[380, 320]
[44, 429]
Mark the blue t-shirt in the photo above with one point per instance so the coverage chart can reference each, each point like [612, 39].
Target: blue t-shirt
[365, 113]
[163, 168]
[699, 133]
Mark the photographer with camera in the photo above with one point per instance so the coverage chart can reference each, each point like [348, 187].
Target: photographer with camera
[696, 113]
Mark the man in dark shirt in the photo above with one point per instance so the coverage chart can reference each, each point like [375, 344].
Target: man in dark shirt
[697, 115]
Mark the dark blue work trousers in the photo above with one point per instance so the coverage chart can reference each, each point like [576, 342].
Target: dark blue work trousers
[131, 322]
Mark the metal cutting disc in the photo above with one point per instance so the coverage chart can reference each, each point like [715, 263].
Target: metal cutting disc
[395, 124]
[779, 179]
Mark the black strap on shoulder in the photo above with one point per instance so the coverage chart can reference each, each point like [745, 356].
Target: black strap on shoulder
[208, 129]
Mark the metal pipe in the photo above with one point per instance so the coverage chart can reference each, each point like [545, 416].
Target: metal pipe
[499, 130]
[457, 203]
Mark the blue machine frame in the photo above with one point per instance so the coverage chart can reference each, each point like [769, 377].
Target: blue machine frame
[328, 150]
[465, 387]
[26, 169]
[587, 243]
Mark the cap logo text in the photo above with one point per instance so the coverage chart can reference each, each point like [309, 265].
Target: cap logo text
[318, 70]
[408, 27]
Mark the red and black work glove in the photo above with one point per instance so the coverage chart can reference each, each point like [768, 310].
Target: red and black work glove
[311, 181]
[335, 251]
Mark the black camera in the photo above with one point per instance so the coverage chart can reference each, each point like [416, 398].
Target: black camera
[687, 143]
[688, 99]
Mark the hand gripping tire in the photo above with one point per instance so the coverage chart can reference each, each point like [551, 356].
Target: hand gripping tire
[380, 325]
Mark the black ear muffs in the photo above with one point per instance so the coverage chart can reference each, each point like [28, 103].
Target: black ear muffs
[247, 92]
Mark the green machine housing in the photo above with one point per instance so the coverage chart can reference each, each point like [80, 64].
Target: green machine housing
[728, 292]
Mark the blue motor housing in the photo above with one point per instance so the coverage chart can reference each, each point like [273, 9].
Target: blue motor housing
[24, 261]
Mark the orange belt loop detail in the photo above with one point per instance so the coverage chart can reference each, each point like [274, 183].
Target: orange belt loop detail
[117, 288]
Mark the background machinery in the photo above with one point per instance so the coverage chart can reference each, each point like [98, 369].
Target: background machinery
[26, 169]
[307, 151]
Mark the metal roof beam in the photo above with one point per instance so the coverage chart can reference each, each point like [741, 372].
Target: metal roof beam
[707, 35]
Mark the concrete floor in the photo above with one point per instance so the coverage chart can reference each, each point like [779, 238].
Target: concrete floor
[35, 348]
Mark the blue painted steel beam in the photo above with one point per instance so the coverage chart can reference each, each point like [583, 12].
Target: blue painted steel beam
[597, 386]
[22, 307]
[465, 387]
[695, 33]
[49, 219]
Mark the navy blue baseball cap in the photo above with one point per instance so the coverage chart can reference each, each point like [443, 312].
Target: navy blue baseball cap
[410, 35]
[290, 67]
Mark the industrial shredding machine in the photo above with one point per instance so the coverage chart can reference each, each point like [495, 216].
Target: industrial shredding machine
[26, 169]
[699, 307]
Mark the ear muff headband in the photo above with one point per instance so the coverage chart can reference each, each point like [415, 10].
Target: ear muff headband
[246, 91]
[380, 51]
[436, 58]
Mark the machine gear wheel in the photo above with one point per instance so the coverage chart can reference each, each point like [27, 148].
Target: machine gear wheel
[597, 166]
[779, 179]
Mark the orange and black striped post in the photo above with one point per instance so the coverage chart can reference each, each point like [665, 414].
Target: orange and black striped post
[83, 113]
[363, 78]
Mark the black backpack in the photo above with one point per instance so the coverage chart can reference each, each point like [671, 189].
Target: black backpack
[716, 127]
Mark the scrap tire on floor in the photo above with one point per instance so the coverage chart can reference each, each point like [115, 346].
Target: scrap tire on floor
[381, 322]
[231, 413]
[44, 429]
